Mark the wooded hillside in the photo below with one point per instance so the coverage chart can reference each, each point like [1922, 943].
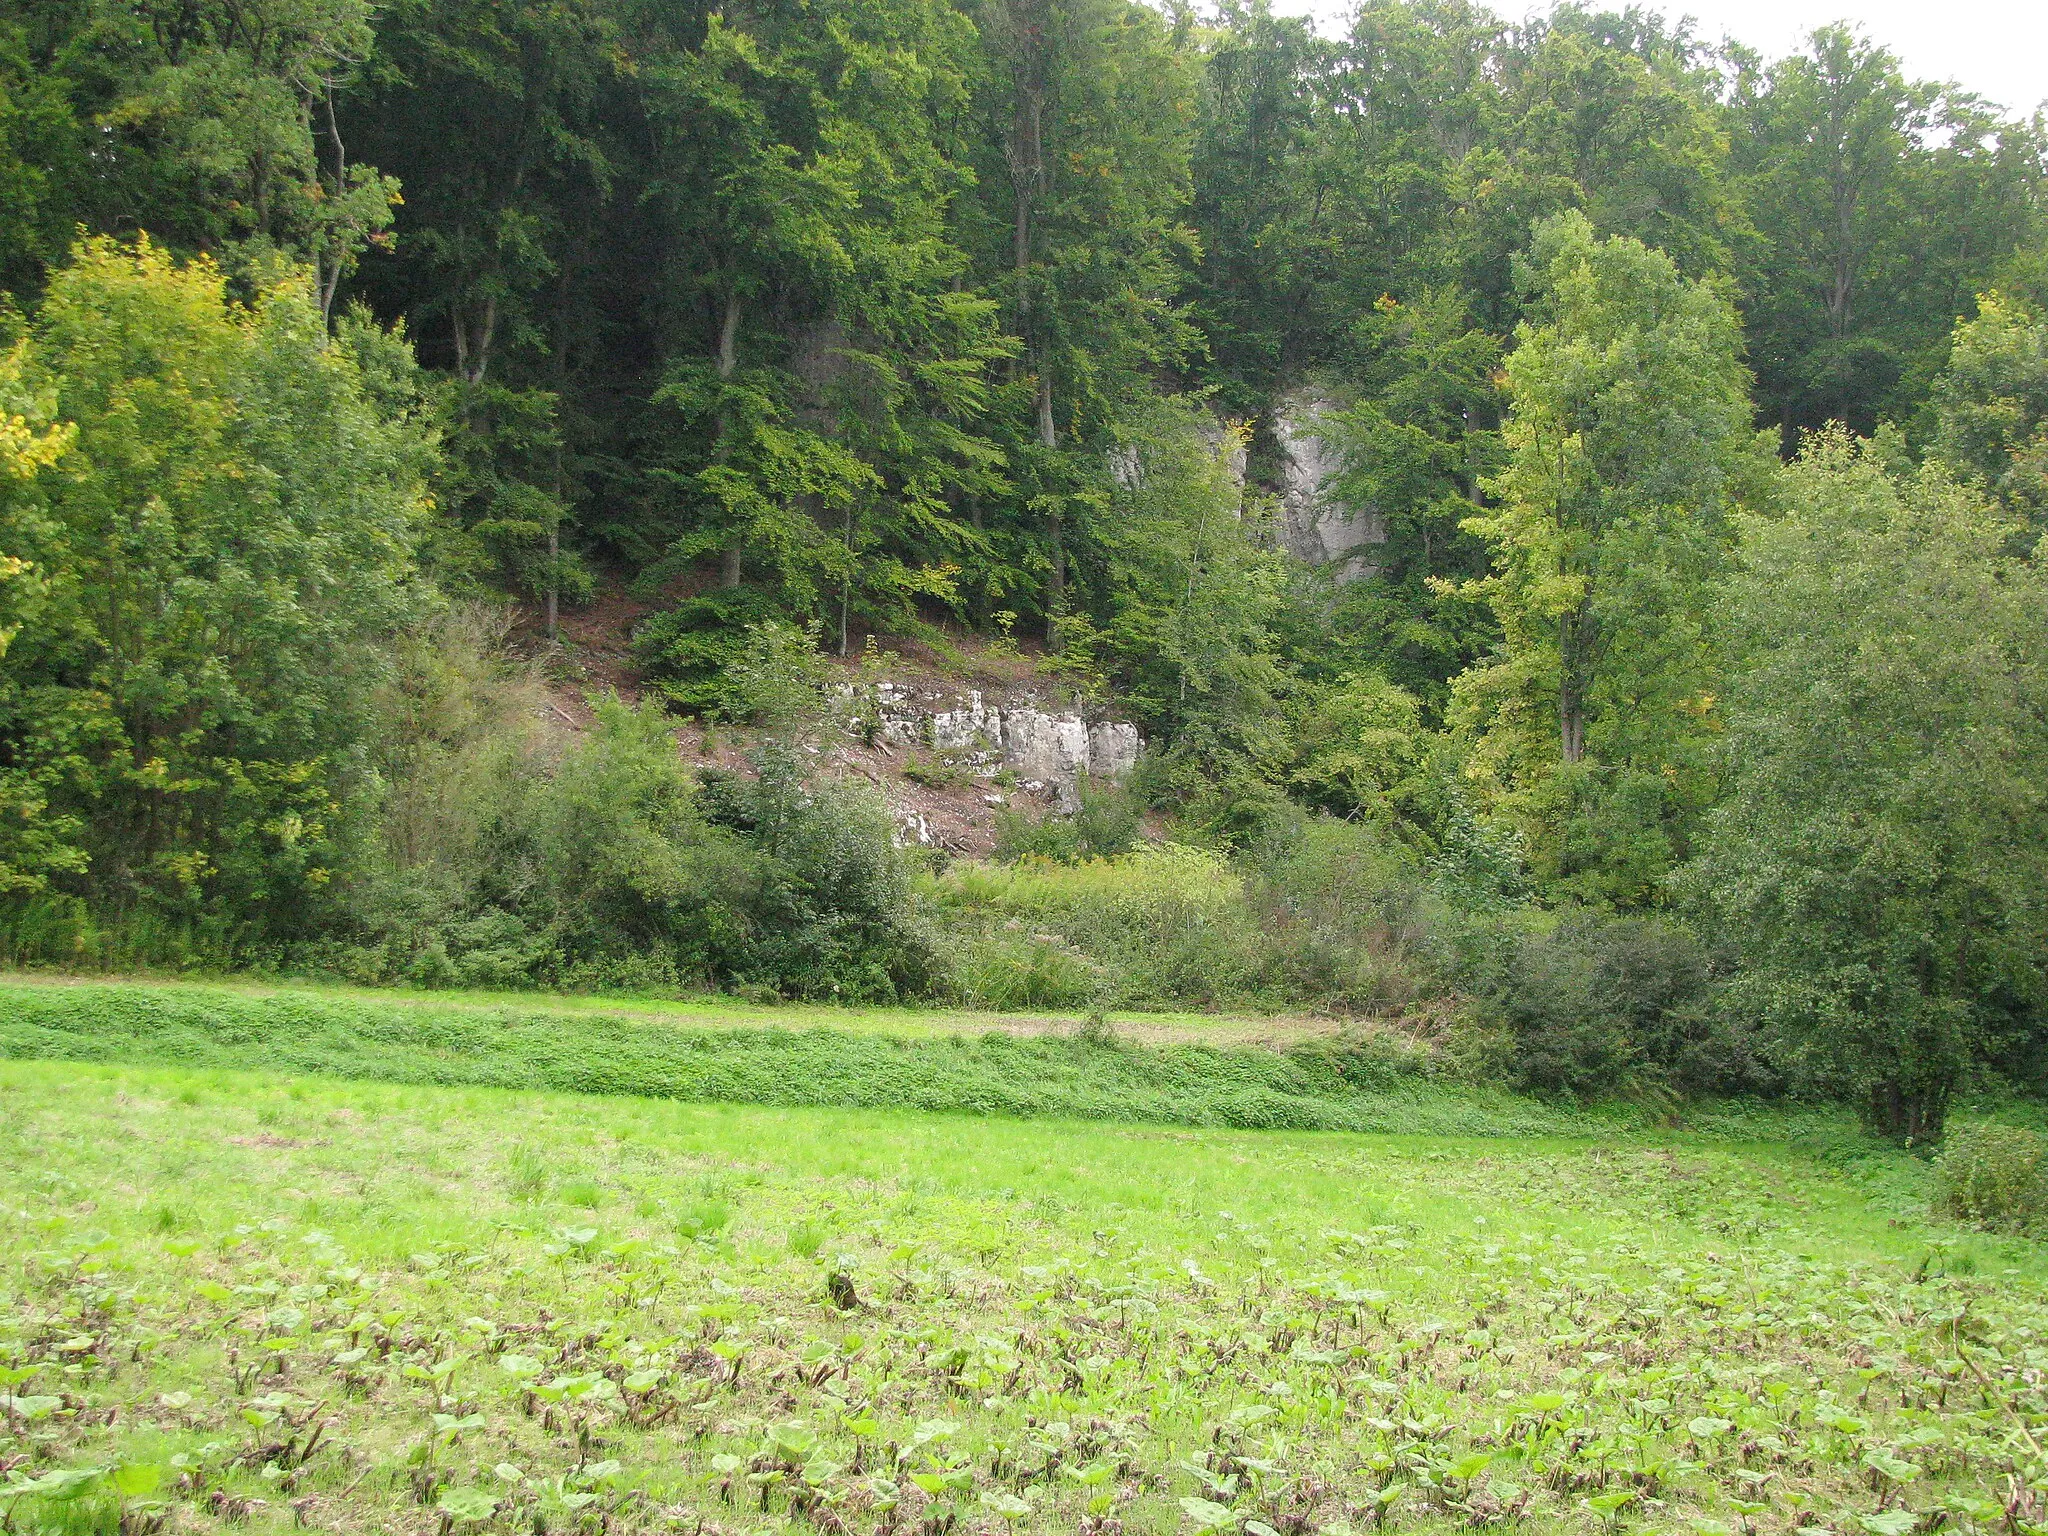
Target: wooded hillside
[1682, 411]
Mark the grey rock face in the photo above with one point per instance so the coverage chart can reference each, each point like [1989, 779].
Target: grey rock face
[1315, 526]
[973, 727]
[1113, 748]
[1050, 751]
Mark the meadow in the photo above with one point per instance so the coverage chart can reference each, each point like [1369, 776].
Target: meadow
[271, 1300]
[1361, 1080]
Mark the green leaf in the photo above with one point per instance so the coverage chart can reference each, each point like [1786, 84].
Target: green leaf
[1209, 1516]
[467, 1505]
[1610, 1504]
[1467, 1467]
[137, 1479]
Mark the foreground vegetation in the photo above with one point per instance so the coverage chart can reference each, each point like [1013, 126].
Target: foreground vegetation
[233, 1299]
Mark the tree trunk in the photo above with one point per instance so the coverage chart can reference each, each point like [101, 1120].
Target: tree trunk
[1909, 1112]
[1056, 582]
[1571, 686]
[555, 544]
[728, 357]
[473, 341]
[332, 255]
[846, 583]
[977, 592]
[1025, 152]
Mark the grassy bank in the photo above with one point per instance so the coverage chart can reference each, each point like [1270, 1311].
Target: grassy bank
[713, 1010]
[1339, 1083]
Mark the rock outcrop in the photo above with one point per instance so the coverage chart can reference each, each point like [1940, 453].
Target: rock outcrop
[1315, 526]
[1049, 751]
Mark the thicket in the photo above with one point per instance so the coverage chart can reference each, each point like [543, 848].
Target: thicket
[1996, 1175]
[1675, 739]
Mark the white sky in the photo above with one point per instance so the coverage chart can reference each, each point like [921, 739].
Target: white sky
[1997, 48]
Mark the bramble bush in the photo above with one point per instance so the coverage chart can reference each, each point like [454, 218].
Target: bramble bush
[1593, 1003]
[1995, 1176]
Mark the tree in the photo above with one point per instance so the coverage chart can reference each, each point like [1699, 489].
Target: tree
[41, 164]
[1882, 846]
[1628, 445]
[34, 842]
[1883, 205]
[830, 368]
[220, 127]
[1991, 405]
[1610, 113]
[1086, 110]
[1265, 292]
[502, 121]
[1188, 579]
[225, 548]
[1416, 447]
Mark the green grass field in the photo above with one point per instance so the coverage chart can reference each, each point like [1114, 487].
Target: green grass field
[282, 1298]
[717, 1011]
[1363, 1082]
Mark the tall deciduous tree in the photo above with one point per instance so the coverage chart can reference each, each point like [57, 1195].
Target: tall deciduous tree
[1991, 405]
[1087, 109]
[1883, 842]
[1628, 440]
[224, 549]
[1882, 206]
[829, 369]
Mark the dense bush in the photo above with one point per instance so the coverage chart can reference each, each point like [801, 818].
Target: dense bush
[1321, 914]
[614, 866]
[1880, 847]
[202, 589]
[1996, 1175]
[1345, 911]
[1594, 1003]
[1107, 824]
[1166, 924]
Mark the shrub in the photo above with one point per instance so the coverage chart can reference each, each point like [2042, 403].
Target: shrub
[1105, 826]
[1012, 971]
[688, 652]
[1345, 913]
[1167, 924]
[1593, 1003]
[1995, 1176]
[830, 906]
[1880, 844]
[601, 862]
[217, 566]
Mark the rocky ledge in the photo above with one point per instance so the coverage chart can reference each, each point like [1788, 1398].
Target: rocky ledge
[1048, 751]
